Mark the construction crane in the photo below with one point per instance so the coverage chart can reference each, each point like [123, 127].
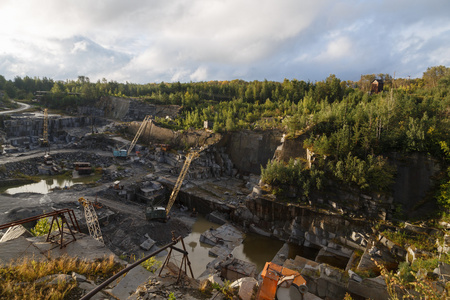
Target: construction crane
[44, 141]
[155, 212]
[120, 152]
[91, 220]
[144, 123]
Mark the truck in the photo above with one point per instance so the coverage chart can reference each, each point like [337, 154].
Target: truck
[120, 153]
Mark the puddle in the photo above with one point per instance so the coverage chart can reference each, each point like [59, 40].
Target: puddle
[256, 249]
[42, 187]
[198, 252]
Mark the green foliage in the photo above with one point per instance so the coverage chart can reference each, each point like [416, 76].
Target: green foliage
[419, 240]
[152, 264]
[294, 173]
[42, 227]
[226, 289]
[406, 284]
[443, 196]
[172, 296]
[373, 172]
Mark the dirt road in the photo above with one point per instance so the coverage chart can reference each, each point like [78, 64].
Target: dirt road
[23, 107]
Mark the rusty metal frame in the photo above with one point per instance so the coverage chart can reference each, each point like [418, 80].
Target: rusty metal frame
[184, 261]
[54, 214]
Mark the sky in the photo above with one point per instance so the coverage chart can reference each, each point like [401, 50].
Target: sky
[143, 41]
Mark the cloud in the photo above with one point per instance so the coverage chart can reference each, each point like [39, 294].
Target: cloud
[148, 41]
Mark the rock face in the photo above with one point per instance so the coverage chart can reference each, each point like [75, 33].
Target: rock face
[249, 150]
[413, 180]
[27, 130]
[126, 109]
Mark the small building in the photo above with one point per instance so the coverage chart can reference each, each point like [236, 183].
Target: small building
[83, 168]
[208, 124]
[376, 86]
[150, 192]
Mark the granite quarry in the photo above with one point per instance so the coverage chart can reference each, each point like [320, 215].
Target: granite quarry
[222, 184]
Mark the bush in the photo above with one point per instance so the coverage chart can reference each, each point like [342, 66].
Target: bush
[42, 227]
[152, 264]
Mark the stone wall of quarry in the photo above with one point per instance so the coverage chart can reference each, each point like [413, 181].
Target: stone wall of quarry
[414, 180]
[291, 148]
[25, 130]
[154, 134]
[300, 224]
[249, 150]
[125, 109]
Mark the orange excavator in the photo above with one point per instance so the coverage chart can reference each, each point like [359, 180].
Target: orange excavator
[281, 283]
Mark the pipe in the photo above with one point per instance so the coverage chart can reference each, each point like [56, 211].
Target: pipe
[114, 277]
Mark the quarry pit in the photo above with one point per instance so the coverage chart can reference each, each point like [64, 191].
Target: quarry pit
[222, 186]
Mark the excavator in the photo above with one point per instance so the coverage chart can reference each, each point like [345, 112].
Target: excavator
[154, 212]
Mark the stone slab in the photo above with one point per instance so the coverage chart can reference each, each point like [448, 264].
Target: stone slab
[14, 232]
[147, 244]
[219, 251]
[19, 248]
[128, 285]
[217, 218]
[309, 296]
[85, 246]
[226, 235]
[372, 288]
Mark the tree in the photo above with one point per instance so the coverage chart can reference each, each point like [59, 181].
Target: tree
[56, 89]
[432, 75]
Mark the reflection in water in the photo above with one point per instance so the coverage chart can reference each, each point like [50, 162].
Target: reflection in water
[198, 252]
[42, 187]
[257, 249]
[192, 245]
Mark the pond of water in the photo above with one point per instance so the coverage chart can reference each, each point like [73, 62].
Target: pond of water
[256, 249]
[42, 187]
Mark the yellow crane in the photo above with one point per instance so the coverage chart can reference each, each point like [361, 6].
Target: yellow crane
[91, 220]
[120, 152]
[153, 212]
[144, 123]
[45, 132]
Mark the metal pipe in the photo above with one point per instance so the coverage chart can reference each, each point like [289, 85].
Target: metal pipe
[35, 218]
[112, 278]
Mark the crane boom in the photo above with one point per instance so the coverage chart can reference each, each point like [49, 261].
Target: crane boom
[146, 120]
[180, 179]
[91, 220]
[45, 132]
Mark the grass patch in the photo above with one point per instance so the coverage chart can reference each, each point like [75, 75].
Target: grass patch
[419, 240]
[18, 280]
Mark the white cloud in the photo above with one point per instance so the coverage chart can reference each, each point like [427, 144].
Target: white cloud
[145, 41]
[79, 46]
[200, 74]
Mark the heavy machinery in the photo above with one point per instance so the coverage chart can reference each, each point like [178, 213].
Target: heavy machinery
[44, 140]
[281, 283]
[92, 219]
[123, 152]
[153, 212]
